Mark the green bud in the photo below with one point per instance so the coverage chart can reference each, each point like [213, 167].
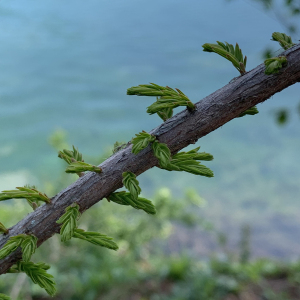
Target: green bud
[69, 222]
[274, 64]
[162, 152]
[284, 40]
[132, 184]
[251, 111]
[141, 141]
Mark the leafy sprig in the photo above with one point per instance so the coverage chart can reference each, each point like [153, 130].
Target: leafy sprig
[132, 184]
[11, 245]
[251, 111]
[37, 273]
[3, 229]
[69, 222]
[141, 141]
[124, 198]
[284, 40]
[162, 152]
[70, 156]
[28, 243]
[30, 194]
[274, 64]
[189, 162]
[231, 53]
[28, 246]
[96, 238]
[193, 154]
[76, 162]
[165, 113]
[167, 99]
[4, 297]
[79, 166]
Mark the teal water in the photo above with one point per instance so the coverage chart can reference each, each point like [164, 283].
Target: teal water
[67, 64]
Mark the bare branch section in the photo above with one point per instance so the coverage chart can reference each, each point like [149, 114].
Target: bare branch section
[178, 132]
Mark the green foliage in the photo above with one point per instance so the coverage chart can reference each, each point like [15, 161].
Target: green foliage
[28, 245]
[37, 273]
[284, 40]
[274, 64]
[167, 100]
[125, 198]
[165, 113]
[162, 152]
[141, 141]
[11, 245]
[131, 184]
[96, 239]
[26, 242]
[76, 162]
[79, 166]
[70, 156]
[3, 229]
[251, 111]
[4, 297]
[28, 193]
[69, 222]
[193, 154]
[233, 54]
[188, 162]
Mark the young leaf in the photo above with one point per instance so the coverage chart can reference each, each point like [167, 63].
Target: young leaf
[3, 229]
[232, 54]
[96, 238]
[274, 64]
[131, 184]
[189, 165]
[26, 242]
[251, 111]
[284, 40]
[167, 100]
[165, 113]
[193, 154]
[31, 194]
[162, 152]
[11, 245]
[125, 198]
[141, 141]
[70, 156]
[69, 222]
[4, 297]
[188, 162]
[28, 245]
[151, 89]
[37, 273]
[79, 166]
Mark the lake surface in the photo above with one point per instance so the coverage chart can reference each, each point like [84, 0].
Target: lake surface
[67, 65]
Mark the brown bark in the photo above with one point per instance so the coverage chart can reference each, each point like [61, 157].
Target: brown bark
[181, 130]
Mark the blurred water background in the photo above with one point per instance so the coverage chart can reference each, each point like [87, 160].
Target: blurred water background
[67, 65]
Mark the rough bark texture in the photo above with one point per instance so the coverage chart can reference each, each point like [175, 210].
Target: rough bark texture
[178, 132]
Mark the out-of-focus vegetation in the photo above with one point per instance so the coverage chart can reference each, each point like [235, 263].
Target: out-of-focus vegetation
[144, 267]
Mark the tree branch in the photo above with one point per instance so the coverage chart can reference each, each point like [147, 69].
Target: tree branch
[178, 132]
